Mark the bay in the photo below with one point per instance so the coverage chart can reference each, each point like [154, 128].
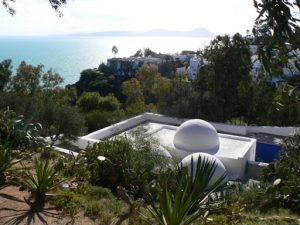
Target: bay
[70, 55]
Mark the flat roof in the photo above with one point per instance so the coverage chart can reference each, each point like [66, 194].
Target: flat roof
[230, 146]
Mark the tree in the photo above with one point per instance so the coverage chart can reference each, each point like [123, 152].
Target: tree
[5, 73]
[27, 79]
[149, 53]
[55, 4]
[51, 80]
[89, 101]
[279, 24]
[134, 96]
[92, 80]
[226, 75]
[114, 50]
[60, 122]
[153, 85]
[179, 101]
[139, 53]
[99, 111]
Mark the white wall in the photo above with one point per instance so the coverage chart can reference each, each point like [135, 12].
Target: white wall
[220, 127]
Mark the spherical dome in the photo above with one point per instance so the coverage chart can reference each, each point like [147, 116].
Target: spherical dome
[220, 168]
[196, 136]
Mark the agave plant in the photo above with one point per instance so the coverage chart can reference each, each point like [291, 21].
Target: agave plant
[184, 204]
[43, 179]
[6, 162]
[19, 133]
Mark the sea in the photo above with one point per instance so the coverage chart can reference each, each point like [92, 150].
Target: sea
[69, 55]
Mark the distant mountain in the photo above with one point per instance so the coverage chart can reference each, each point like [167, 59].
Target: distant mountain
[198, 32]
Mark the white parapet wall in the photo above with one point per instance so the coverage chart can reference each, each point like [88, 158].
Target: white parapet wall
[112, 130]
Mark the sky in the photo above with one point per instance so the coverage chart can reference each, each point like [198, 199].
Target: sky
[36, 17]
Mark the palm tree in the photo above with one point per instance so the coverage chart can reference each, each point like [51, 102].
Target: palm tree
[184, 205]
[114, 50]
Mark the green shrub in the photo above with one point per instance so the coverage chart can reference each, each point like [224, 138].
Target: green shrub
[6, 162]
[48, 154]
[62, 199]
[97, 119]
[71, 209]
[124, 165]
[109, 103]
[96, 192]
[284, 176]
[92, 208]
[89, 101]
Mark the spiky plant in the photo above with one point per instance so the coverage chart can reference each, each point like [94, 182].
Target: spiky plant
[41, 180]
[6, 162]
[182, 205]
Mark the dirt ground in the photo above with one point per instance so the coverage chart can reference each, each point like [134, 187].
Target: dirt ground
[15, 210]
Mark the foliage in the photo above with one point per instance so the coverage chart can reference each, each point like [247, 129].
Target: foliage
[89, 101]
[27, 79]
[96, 202]
[6, 162]
[96, 192]
[102, 81]
[99, 111]
[17, 133]
[97, 119]
[180, 100]
[285, 173]
[114, 50]
[123, 165]
[55, 4]
[223, 85]
[5, 73]
[60, 121]
[181, 204]
[285, 110]
[152, 83]
[134, 96]
[275, 30]
[40, 181]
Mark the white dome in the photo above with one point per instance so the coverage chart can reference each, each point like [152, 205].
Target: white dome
[220, 168]
[196, 136]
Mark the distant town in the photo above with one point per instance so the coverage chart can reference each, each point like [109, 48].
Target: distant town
[188, 62]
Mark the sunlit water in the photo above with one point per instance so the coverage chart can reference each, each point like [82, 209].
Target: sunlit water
[70, 55]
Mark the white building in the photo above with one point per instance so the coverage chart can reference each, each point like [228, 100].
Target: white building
[128, 66]
[181, 138]
[178, 139]
[194, 67]
[288, 71]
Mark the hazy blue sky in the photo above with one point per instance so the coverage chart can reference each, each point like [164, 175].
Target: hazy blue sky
[36, 17]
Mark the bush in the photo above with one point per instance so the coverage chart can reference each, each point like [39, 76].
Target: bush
[98, 119]
[89, 101]
[122, 164]
[109, 103]
[92, 208]
[284, 175]
[98, 192]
